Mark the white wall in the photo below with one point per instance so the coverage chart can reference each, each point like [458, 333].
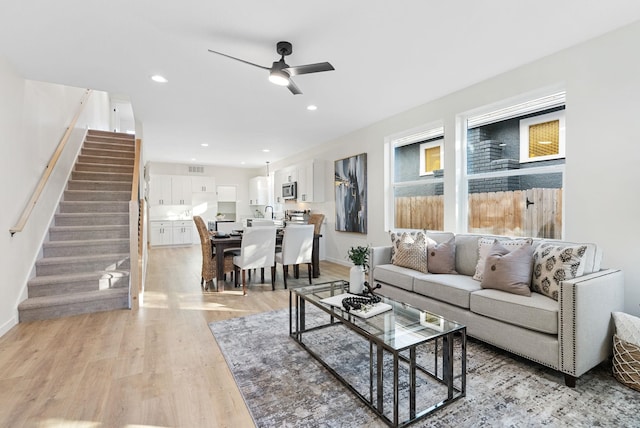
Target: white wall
[33, 119]
[602, 79]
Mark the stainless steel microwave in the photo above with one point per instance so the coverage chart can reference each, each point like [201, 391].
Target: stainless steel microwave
[290, 190]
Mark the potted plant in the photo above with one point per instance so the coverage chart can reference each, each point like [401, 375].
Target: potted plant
[219, 216]
[359, 256]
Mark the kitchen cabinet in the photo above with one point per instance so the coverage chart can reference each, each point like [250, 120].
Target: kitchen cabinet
[160, 190]
[181, 190]
[181, 232]
[161, 233]
[203, 184]
[226, 193]
[311, 181]
[170, 190]
[278, 179]
[259, 190]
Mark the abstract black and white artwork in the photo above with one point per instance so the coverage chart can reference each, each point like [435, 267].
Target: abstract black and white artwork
[351, 194]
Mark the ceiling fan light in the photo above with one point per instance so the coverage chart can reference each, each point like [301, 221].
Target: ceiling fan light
[279, 77]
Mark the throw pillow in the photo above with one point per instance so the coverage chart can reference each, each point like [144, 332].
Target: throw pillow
[484, 246]
[627, 327]
[412, 253]
[441, 257]
[552, 264]
[509, 271]
[396, 240]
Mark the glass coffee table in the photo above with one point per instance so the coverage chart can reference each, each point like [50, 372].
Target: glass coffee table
[416, 359]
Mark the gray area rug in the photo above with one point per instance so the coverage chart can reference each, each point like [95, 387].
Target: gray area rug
[284, 386]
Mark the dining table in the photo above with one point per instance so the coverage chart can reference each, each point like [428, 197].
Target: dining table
[221, 244]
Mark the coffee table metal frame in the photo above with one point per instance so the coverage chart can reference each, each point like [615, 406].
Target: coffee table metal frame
[299, 297]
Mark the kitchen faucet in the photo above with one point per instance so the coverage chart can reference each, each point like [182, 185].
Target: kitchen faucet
[273, 216]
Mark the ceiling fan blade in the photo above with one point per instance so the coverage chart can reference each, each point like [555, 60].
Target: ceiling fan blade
[310, 68]
[241, 60]
[294, 88]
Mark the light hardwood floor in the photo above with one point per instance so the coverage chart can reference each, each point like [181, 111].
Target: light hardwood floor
[158, 366]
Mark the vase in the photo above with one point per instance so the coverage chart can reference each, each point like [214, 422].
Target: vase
[356, 280]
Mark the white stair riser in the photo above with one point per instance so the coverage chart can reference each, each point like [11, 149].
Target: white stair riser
[122, 147]
[110, 154]
[110, 186]
[105, 160]
[103, 168]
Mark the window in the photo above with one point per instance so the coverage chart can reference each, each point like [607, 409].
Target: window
[542, 137]
[431, 157]
[416, 176]
[514, 172]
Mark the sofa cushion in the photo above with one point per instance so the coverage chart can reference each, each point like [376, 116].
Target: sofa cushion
[411, 251]
[536, 312]
[396, 239]
[555, 263]
[484, 246]
[441, 257]
[397, 276]
[592, 254]
[450, 288]
[509, 271]
[466, 253]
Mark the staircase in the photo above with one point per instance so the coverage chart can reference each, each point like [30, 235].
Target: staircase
[85, 263]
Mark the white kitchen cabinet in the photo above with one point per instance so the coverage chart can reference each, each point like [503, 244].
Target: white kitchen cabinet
[181, 190]
[181, 232]
[160, 190]
[226, 193]
[203, 184]
[161, 233]
[259, 190]
[278, 180]
[311, 181]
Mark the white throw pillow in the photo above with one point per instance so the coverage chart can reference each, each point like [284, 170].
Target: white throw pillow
[484, 246]
[627, 327]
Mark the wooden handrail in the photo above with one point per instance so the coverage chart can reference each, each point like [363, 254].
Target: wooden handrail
[26, 213]
[135, 232]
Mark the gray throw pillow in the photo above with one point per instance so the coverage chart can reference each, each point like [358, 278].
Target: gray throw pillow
[509, 271]
[442, 257]
[412, 252]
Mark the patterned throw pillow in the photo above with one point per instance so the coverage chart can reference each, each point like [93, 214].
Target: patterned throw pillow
[441, 257]
[484, 246]
[552, 264]
[509, 271]
[412, 253]
[395, 242]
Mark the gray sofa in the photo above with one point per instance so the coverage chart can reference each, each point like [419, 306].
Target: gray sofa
[572, 334]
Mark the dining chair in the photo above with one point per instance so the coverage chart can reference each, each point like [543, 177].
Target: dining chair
[209, 266]
[316, 220]
[256, 251]
[297, 247]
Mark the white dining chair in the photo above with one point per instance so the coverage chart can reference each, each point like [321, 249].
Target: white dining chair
[256, 251]
[297, 248]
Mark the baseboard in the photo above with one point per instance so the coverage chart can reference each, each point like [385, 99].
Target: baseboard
[9, 324]
[339, 261]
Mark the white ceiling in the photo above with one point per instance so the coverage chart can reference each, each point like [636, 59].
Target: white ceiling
[389, 56]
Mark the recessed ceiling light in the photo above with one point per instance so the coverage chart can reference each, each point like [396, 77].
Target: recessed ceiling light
[193, 159]
[312, 107]
[204, 145]
[266, 150]
[159, 79]
[242, 163]
[544, 142]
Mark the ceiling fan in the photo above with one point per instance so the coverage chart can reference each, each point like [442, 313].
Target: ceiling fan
[280, 72]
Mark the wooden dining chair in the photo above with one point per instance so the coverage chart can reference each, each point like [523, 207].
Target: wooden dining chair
[257, 251]
[297, 248]
[209, 266]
